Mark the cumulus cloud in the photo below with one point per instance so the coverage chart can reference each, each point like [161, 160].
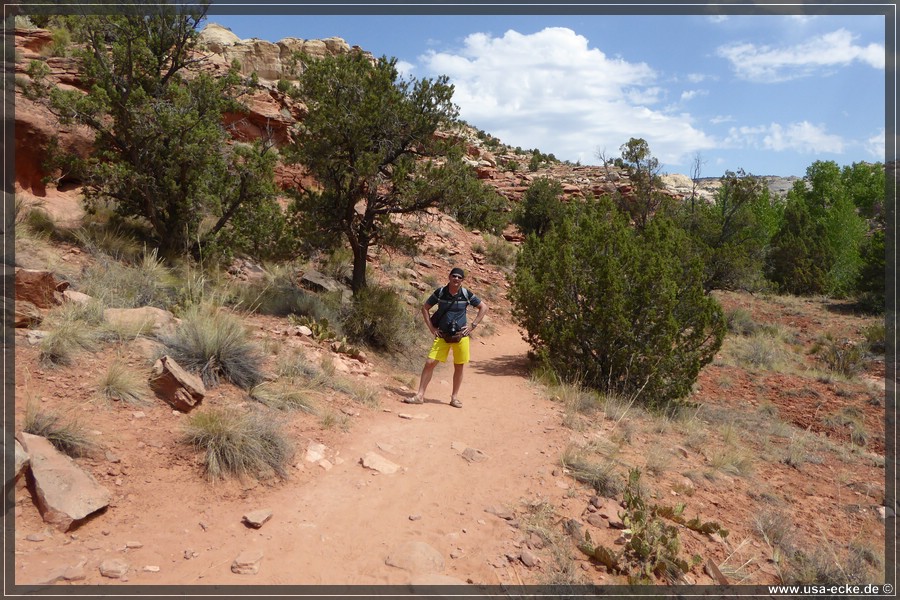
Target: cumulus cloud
[803, 137]
[768, 64]
[690, 94]
[550, 90]
[875, 146]
[406, 69]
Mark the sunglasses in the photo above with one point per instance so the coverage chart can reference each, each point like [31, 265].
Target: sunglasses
[456, 277]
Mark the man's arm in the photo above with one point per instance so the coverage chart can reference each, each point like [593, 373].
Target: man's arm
[482, 310]
[426, 314]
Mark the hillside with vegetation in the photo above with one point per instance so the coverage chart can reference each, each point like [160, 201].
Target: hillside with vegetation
[221, 248]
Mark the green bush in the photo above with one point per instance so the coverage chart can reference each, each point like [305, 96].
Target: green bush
[215, 344]
[540, 207]
[378, 318]
[618, 310]
[798, 258]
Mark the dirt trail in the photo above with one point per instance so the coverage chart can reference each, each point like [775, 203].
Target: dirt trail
[340, 525]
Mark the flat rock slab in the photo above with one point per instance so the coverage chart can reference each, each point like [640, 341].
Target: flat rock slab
[257, 518]
[416, 557]
[65, 493]
[247, 562]
[474, 455]
[315, 452]
[376, 462]
[114, 568]
[154, 320]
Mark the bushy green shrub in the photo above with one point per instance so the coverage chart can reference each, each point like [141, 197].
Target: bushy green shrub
[798, 259]
[378, 318]
[618, 310]
[540, 206]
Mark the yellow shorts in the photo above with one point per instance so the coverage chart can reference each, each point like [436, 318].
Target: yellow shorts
[440, 349]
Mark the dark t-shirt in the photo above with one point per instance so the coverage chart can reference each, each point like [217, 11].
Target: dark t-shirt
[453, 307]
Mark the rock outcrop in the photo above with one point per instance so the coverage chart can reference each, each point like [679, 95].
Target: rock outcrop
[65, 494]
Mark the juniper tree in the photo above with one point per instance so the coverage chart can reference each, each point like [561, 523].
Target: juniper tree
[369, 140]
[617, 309]
[160, 152]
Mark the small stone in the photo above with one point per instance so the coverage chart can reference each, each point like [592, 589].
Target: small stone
[528, 559]
[114, 568]
[247, 562]
[151, 569]
[257, 518]
[415, 517]
[325, 464]
[35, 537]
[75, 573]
[133, 545]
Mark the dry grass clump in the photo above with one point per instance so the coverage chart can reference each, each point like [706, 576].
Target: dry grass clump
[215, 344]
[71, 328]
[731, 459]
[600, 476]
[143, 282]
[283, 396]
[69, 436]
[539, 523]
[843, 357]
[852, 419]
[294, 365]
[238, 443]
[761, 350]
[121, 383]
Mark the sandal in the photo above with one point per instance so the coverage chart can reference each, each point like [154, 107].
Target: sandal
[455, 403]
[414, 400]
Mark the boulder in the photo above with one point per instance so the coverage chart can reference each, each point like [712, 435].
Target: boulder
[27, 314]
[22, 462]
[175, 385]
[65, 494]
[150, 319]
[315, 281]
[40, 288]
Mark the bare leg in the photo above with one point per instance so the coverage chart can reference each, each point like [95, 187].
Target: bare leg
[457, 380]
[425, 378]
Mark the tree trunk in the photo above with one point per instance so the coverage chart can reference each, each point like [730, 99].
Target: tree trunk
[360, 251]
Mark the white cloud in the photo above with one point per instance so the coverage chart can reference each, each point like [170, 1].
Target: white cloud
[550, 90]
[768, 64]
[690, 94]
[405, 68]
[803, 137]
[717, 120]
[875, 146]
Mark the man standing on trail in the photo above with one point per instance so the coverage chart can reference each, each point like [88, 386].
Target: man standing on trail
[450, 331]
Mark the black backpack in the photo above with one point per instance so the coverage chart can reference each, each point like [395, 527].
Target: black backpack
[439, 314]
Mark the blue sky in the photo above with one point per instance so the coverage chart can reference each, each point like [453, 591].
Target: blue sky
[769, 94]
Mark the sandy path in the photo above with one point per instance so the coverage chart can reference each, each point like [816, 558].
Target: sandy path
[339, 527]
